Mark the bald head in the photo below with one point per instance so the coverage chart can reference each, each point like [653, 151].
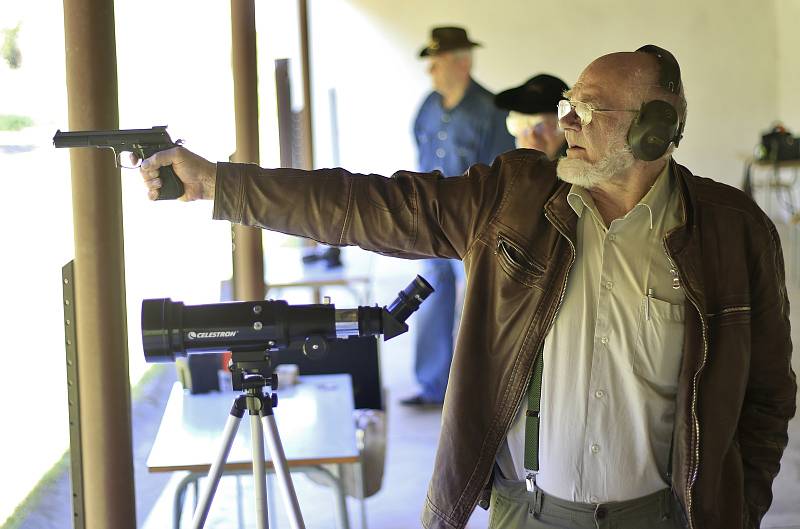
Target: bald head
[632, 77]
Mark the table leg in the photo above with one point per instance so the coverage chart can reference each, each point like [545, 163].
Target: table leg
[362, 501]
[180, 497]
[341, 503]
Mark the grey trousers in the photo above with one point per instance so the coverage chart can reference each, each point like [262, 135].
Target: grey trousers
[513, 507]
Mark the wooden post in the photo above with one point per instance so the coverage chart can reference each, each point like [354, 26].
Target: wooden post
[99, 270]
[248, 255]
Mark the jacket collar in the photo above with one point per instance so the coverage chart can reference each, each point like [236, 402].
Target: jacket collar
[683, 242]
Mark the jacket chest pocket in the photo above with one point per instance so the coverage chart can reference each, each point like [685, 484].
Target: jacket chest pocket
[659, 342]
[517, 262]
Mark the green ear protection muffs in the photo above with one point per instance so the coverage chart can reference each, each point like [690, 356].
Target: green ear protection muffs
[657, 124]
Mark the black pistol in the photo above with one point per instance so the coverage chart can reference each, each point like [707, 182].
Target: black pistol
[141, 142]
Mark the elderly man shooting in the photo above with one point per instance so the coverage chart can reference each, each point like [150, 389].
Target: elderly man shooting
[624, 357]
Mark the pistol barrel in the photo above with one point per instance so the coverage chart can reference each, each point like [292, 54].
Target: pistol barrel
[112, 138]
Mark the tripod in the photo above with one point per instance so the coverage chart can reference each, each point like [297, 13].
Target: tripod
[247, 369]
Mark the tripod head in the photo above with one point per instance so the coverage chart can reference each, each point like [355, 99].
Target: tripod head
[170, 329]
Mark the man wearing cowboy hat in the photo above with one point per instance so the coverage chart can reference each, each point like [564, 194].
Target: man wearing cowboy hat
[457, 126]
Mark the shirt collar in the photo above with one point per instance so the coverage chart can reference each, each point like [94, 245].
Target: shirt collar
[654, 201]
[469, 93]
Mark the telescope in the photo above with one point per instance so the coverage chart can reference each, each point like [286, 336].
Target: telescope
[171, 329]
[250, 330]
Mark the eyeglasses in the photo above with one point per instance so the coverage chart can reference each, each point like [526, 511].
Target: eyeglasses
[583, 110]
[517, 123]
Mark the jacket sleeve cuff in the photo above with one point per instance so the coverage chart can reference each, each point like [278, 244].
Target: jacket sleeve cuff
[229, 192]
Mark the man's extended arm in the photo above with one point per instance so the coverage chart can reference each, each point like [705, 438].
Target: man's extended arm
[769, 401]
[408, 215]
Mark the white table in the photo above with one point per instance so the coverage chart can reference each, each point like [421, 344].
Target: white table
[315, 422]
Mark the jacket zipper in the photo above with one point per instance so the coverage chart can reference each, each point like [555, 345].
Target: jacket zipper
[730, 310]
[695, 445]
[502, 246]
[539, 347]
[566, 276]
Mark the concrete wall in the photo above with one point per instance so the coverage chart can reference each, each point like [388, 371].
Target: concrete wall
[788, 17]
[737, 79]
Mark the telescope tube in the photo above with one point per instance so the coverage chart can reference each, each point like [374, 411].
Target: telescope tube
[171, 329]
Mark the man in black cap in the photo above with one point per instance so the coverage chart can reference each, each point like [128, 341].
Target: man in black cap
[532, 117]
[457, 126]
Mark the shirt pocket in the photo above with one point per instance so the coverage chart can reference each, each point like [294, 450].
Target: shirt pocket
[659, 342]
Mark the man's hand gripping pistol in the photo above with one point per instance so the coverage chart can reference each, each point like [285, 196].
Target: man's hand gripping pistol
[142, 143]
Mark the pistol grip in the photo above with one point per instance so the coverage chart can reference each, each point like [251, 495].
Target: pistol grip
[171, 185]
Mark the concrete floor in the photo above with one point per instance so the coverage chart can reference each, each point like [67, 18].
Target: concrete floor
[412, 438]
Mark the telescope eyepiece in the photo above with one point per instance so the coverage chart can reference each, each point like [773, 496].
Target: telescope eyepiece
[410, 298]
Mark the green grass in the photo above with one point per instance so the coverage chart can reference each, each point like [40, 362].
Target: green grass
[12, 122]
[19, 514]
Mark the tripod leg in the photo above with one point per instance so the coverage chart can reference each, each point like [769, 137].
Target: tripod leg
[282, 470]
[201, 513]
[259, 471]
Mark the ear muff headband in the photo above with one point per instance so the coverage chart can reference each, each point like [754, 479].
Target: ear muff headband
[657, 124]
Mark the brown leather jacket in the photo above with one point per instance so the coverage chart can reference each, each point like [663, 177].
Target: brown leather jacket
[512, 227]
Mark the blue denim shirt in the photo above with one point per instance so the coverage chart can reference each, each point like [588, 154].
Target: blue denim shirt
[474, 131]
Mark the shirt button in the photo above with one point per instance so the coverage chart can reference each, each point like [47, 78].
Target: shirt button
[599, 393]
[442, 135]
[612, 237]
[440, 152]
[604, 340]
[446, 118]
[595, 448]
[609, 285]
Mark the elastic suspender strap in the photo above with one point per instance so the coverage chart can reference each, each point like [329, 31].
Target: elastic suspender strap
[532, 418]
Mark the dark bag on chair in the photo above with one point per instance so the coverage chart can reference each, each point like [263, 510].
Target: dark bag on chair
[778, 145]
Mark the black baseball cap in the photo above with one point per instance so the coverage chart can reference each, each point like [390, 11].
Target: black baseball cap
[447, 39]
[539, 94]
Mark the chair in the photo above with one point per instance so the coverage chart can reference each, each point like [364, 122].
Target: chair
[358, 357]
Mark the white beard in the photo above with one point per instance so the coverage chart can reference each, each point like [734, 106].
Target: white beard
[588, 175]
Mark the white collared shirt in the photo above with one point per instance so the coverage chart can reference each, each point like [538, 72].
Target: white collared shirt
[611, 359]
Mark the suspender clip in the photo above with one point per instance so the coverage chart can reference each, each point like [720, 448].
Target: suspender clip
[530, 479]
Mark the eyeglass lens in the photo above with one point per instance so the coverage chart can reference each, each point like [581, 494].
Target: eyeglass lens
[583, 110]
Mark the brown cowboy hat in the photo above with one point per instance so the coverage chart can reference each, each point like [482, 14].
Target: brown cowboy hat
[447, 38]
